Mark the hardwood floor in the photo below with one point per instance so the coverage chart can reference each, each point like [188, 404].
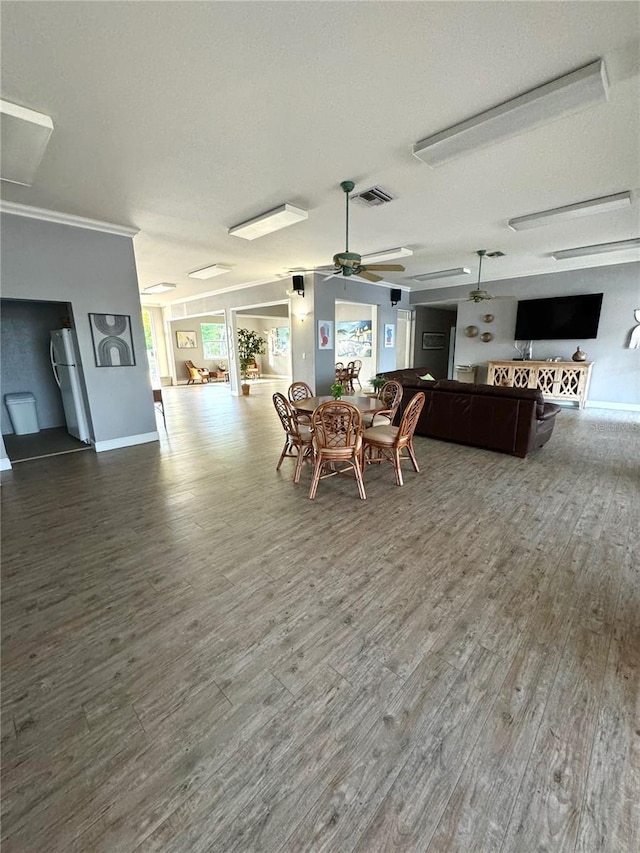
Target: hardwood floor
[198, 658]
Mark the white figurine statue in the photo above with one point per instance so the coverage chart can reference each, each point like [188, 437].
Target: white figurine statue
[634, 343]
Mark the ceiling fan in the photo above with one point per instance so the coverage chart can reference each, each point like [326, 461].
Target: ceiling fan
[350, 263]
[480, 295]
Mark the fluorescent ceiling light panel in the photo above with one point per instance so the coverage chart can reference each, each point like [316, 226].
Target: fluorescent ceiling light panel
[24, 136]
[210, 271]
[267, 223]
[581, 88]
[571, 211]
[163, 287]
[387, 255]
[599, 249]
[430, 276]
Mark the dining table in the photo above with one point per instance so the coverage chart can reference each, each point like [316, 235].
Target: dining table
[365, 405]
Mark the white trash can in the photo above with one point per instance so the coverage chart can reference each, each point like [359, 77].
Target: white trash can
[22, 411]
[465, 373]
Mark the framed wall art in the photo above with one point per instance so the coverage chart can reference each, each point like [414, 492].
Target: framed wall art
[354, 339]
[186, 340]
[433, 340]
[112, 340]
[325, 334]
[389, 335]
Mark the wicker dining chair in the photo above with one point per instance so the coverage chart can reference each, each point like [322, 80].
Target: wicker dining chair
[387, 442]
[391, 396]
[337, 441]
[357, 367]
[297, 444]
[300, 391]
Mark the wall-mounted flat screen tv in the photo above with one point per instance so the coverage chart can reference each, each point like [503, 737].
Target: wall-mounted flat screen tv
[558, 319]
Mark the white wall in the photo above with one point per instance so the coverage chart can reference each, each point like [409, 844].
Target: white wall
[94, 272]
[616, 370]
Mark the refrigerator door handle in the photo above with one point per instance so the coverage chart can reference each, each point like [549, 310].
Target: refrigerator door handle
[54, 366]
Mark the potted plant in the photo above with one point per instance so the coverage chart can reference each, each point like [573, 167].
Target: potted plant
[250, 344]
[337, 390]
[376, 383]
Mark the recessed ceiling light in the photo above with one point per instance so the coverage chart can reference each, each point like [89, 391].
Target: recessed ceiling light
[267, 223]
[210, 271]
[429, 276]
[24, 135]
[571, 211]
[387, 255]
[599, 249]
[163, 287]
[579, 89]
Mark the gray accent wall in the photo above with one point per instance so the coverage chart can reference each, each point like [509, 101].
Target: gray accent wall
[94, 272]
[24, 333]
[616, 370]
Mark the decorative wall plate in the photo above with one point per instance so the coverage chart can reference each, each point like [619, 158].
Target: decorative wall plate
[485, 337]
[488, 318]
[471, 331]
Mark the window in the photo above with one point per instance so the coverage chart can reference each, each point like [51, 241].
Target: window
[214, 340]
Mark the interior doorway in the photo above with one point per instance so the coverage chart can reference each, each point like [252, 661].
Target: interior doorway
[44, 407]
[405, 339]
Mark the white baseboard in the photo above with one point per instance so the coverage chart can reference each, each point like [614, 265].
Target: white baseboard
[5, 464]
[620, 407]
[125, 441]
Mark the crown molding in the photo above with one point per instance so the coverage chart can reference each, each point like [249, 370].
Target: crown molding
[42, 213]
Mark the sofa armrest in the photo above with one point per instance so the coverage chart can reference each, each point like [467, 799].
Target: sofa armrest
[550, 410]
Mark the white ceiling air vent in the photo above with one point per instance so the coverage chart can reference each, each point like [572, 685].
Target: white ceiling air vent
[373, 197]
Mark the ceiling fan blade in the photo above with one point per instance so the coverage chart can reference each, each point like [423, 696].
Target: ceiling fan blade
[384, 267]
[369, 276]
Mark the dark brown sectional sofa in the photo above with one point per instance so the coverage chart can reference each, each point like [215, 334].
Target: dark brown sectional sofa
[510, 420]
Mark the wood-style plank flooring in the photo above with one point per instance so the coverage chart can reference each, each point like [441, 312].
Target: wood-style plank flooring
[198, 658]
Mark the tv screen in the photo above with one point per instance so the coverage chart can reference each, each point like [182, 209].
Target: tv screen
[558, 319]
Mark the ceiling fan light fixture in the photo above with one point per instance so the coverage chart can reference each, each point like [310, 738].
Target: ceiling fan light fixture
[162, 287]
[209, 272]
[387, 255]
[582, 88]
[571, 211]
[431, 276]
[598, 249]
[480, 295]
[267, 223]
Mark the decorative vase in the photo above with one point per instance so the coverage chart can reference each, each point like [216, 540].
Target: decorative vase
[579, 355]
[245, 389]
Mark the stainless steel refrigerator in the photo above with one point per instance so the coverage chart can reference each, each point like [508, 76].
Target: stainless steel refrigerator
[65, 363]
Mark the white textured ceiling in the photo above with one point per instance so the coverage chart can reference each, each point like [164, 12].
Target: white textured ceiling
[184, 119]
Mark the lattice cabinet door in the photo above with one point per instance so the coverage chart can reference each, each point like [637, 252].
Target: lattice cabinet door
[521, 377]
[570, 383]
[500, 374]
[548, 378]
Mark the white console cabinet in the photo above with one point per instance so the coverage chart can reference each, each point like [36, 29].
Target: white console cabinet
[558, 380]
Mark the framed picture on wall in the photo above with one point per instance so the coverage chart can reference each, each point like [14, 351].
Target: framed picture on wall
[433, 340]
[186, 340]
[325, 334]
[112, 340]
[389, 335]
[354, 339]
